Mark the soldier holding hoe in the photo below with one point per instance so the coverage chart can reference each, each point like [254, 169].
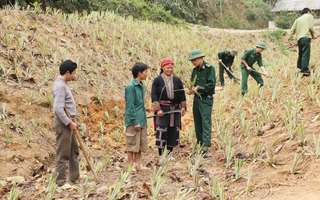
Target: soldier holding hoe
[225, 62]
[249, 57]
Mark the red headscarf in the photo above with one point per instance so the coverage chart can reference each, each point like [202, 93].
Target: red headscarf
[166, 62]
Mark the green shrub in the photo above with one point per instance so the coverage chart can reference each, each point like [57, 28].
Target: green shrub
[140, 9]
[251, 16]
[286, 19]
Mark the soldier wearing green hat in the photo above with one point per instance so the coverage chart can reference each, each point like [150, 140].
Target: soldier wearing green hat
[204, 77]
[226, 59]
[249, 57]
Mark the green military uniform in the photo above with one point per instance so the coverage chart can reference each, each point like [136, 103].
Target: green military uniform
[250, 56]
[205, 76]
[303, 28]
[227, 59]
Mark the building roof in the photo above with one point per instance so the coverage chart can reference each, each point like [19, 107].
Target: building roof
[296, 5]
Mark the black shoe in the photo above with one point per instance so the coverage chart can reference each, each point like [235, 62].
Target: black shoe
[235, 81]
[61, 184]
[306, 73]
[77, 181]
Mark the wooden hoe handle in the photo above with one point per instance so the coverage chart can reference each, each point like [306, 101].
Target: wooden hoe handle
[82, 148]
[228, 70]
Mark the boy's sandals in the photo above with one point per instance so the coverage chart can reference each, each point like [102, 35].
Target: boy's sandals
[134, 170]
[143, 168]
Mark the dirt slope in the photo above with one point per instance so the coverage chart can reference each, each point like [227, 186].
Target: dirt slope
[27, 138]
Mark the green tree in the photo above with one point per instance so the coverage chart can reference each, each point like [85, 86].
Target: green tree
[286, 19]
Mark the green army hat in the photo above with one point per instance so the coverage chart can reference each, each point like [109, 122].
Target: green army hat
[195, 54]
[234, 51]
[261, 45]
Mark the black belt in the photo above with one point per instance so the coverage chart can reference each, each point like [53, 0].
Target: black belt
[208, 96]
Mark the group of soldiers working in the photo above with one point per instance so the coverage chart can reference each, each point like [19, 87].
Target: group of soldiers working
[302, 28]
[249, 57]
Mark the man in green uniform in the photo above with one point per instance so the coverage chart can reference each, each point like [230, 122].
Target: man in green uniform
[225, 61]
[249, 57]
[204, 76]
[303, 28]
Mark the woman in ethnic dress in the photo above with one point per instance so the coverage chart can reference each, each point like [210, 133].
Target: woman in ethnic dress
[169, 103]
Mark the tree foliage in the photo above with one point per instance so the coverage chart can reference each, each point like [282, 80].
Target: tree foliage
[285, 20]
[243, 14]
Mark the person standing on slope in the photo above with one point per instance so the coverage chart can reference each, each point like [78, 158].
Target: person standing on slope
[204, 78]
[168, 95]
[67, 145]
[135, 116]
[303, 28]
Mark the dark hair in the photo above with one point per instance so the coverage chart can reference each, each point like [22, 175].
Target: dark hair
[138, 67]
[67, 66]
[161, 71]
[305, 10]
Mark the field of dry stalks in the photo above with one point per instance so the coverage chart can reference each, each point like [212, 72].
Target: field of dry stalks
[265, 145]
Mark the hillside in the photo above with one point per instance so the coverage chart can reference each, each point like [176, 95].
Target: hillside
[275, 125]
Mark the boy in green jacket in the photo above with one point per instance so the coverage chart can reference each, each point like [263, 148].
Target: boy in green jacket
[135, 115]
